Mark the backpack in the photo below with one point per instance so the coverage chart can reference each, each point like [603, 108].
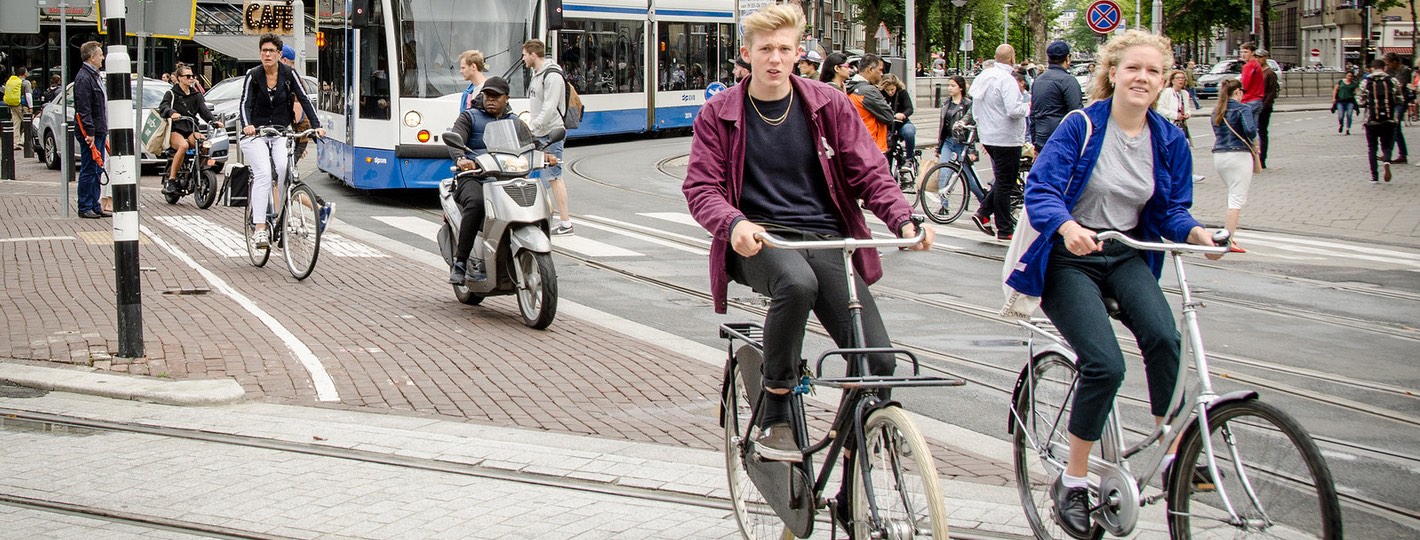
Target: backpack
[1380, 92]
[572, 108]
[13, 89]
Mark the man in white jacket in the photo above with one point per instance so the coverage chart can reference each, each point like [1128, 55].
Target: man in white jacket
[1000, 108]
[546, 93]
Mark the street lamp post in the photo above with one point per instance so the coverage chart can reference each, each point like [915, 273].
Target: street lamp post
[1006, 23]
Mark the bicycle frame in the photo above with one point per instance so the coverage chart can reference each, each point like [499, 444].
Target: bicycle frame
[1114, 460]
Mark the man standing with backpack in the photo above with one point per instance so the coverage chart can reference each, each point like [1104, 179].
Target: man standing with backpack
[546, 93]
[1379, 94]
[17, 98]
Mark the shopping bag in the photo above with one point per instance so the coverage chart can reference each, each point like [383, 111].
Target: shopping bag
[155, 132]
[927, 182]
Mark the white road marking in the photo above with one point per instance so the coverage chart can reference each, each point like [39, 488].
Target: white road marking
[420, 226]
[592, 248]
[222, 240]
[36, 238]
[339, 246]
[699, 241]
[325, 387]
[673, 217]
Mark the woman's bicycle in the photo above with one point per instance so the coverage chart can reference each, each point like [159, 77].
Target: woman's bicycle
[196, 176]
[894, 491]
[944, 201]
[297, 228]
[1243, 467]
[903, 162]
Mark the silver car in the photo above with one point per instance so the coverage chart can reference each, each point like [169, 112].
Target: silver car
[1222, 71]
[47, 125]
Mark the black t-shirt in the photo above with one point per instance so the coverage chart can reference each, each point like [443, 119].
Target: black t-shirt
[783, 182]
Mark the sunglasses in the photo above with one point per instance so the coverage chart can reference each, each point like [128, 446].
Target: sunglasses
[188, 76]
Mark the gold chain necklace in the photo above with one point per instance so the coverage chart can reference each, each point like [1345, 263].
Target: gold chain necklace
[775, 121]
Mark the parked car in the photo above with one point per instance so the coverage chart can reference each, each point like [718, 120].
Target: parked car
[1222, 71]
[47, 125]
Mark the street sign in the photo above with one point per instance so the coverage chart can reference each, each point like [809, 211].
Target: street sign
[1316, 52]
[1103, 16]
[175, 19]
[19, 18]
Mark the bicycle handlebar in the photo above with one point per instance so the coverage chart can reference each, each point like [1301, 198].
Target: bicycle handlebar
[1221, 238]
[846, 243]
[282, 131]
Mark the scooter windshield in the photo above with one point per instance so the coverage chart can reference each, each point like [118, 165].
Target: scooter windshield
[508, 136]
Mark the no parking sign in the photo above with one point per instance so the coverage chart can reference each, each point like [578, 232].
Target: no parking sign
[1103, 16]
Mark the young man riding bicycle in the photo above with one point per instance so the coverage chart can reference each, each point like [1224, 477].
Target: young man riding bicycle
[268, 96]
[790, 155]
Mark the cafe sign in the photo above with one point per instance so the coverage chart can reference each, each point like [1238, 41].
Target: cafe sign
[268, 17]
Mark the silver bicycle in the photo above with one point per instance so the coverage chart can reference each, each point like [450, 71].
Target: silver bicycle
[1244, 468]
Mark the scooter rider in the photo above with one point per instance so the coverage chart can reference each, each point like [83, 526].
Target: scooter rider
[183, 99]
[490, 105]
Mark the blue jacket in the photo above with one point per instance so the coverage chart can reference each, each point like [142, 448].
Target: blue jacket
[1061, 172]
[1237, 118]
[90, 103]
[471, 123]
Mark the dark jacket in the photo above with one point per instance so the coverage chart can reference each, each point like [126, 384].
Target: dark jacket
[853, 168]
[262, 106]
[900, 103]
[1054, 94]
[471, 123]
[1270, 88]
[187, 104]
[1061, 172]
[951, 113]
[1238, 119]
[90, 103]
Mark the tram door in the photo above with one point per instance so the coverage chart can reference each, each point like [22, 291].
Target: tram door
[333, 39]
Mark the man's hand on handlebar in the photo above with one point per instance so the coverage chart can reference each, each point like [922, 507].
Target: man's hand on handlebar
[320, 132]
[465, 164]
[743, 239]
[909, 230]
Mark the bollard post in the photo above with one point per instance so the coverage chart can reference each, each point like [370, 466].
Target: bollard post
[123, 171]
[27, 127]
[7, 149]
[936, 96]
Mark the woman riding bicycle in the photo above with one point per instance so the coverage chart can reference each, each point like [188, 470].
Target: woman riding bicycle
[268, 95]
[1133, 175]
[954, 139]
[183, 99]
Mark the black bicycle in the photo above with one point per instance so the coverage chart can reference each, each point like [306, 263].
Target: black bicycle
[197, 175]
[894, 490]
[903, 162]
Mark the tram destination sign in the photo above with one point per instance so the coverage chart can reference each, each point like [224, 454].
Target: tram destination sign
[269, 17]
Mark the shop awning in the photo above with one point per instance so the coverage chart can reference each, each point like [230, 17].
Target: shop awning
[1404, 51]
[243, 47]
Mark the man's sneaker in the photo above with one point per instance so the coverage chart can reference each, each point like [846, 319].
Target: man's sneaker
[261, 239]
[983, 223]
[1202, 481]
[457, 273]
[1005, 237]
[326, 209]
[170, 186]
[1400, 159]
[776, 443]
[1072, 508]
[476, 272]
[563, 230]
[1338, 129]
[1387, 171]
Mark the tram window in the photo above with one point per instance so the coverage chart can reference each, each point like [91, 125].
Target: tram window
[598, 56]
[330, 70]
[374, 68]
[726, 51]
[688, 55]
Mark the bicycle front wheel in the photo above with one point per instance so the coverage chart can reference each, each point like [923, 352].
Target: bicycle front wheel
[904, 481]
[1273, 475]
[205, 192]
[945, 204]
[257, 255]
[1042, 446]
[756, 519]
[301, 231]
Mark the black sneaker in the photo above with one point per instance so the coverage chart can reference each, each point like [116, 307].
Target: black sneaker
[476, 272]
[776, 443]
[843, 513]
[170, 187]
[983, 223]
[1072, 508]
[458, 273]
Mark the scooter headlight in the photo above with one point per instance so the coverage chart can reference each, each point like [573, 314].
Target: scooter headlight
[513, 164]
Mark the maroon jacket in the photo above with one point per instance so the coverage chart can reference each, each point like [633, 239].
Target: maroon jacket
[852, 166]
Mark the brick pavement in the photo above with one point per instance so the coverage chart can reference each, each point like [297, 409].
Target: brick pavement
[389, 333]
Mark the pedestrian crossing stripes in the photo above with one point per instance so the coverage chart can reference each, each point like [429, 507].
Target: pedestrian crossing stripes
[229, 242]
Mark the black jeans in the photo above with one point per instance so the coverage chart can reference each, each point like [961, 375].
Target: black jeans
[796, 283]
[1397, 127]
[1263, 119]
[469, 195]
[1073, 299]
[1006, 165]
[1382, 135]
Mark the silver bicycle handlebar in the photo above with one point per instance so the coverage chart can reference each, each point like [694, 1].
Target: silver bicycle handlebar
[846, 243]
[1221, 238]
[272, 131]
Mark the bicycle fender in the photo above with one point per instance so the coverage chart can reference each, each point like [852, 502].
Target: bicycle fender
[529, 237]
[1036, 352]
[1230, 397]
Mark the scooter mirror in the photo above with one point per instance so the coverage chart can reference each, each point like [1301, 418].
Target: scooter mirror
[453, 140]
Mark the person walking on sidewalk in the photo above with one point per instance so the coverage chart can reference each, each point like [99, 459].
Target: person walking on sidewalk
[1173, 102]
[785, 154]
[836, 71]
[1379, 95]
[1131, 174]
[1001, 108]
[91, 119]
[1343, 101]
[1233, 132]
[472, 67]
[269, 95]
[1270, 90]
[1405, 87]
[1253, 85]
[546, 93]
[19, 97]
[1053, 94]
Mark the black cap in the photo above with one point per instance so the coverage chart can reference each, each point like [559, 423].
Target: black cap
[496, 85]
[739, 61]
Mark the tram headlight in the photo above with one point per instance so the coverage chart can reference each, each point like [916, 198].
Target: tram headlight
[413, 118]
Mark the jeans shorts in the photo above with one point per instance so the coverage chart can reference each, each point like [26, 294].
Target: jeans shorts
[554, 172]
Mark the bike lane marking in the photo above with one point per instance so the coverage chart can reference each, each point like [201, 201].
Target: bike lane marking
[325, 387]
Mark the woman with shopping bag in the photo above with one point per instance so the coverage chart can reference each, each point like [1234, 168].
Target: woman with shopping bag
[181, 106]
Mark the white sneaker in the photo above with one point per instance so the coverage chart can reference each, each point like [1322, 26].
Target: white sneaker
[261, 239]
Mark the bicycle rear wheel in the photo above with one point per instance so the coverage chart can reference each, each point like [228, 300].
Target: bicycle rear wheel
[256, 255]
[756, 519]
[904, 480]
[1042, 446]
[301, 231]
[945, 204]
[1291, 495]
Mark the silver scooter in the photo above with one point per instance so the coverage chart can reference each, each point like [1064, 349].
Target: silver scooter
[514, 244]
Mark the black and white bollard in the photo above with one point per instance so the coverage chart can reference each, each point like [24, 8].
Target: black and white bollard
[122, 168]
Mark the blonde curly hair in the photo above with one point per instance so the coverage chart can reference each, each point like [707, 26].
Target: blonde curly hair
[1112, 54]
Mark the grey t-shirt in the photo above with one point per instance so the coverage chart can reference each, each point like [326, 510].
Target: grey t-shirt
[1121, 183]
